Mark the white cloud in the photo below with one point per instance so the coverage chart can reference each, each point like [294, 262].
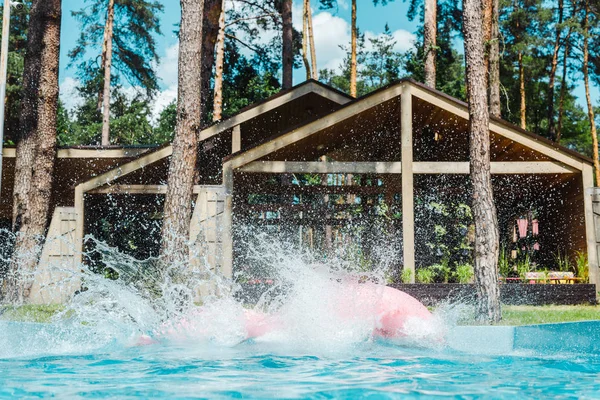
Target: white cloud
[330, 33]
[167, 69]
[69, 94]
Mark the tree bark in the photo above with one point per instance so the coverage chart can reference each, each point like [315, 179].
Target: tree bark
[523, 106]
[554, 64]
[484, 211]
[563, 86]
[305, 39]
[311, 40]
[36, 147]
[218, 94]
[287, 41]
[494, 61]
[353, 65]
[178, 200]
[429, 41]
[586, 80]
[108, 36]
[210, 31]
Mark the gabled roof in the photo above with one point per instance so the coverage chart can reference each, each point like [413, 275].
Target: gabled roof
[283, 97]
[423, 92]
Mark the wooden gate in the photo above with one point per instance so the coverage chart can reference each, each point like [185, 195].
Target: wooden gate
[57, 277]
[206, 230]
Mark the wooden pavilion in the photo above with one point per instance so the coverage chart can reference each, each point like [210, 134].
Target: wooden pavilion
[394, 146]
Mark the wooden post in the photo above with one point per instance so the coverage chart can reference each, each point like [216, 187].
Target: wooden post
[408, 210]
[79, 228]
[236, 139]
[587, 175]
[227, 267]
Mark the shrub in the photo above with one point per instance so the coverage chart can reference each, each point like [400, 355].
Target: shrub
[504, 268]
[425, 275]
[581, 266]
[441, 272]
[464, 273]
[406, 275]
[524, 266]
[562, 262]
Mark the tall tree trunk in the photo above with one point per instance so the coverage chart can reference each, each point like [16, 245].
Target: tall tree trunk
[102, 62]
[178, 200]
[210, 31]
[429, 41]
[108, 36]
[311, 40]
[287, 48]
[586, 80]
[218, 94]
[494, 61]
[484, 211]
[554, 64]
[305, 39]
[563, 85]
[353, 65]
[36, 147]
[523, 106]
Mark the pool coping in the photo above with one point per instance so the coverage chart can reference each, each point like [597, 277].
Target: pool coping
[552, 338]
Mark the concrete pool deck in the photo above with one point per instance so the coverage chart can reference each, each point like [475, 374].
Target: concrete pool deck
[569, 337]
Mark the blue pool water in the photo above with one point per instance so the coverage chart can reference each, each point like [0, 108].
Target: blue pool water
[506, 367]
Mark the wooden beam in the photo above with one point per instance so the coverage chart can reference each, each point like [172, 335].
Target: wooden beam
[319, 167]
[433, 167]
[590, 229]
[408, 208]
[144, 189]
[461, 110]
[130, 189]
[89, 153]
[497, 167]
[316, 126]
[313, 189]
[126, 169]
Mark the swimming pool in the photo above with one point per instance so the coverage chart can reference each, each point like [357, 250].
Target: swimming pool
[500, 362]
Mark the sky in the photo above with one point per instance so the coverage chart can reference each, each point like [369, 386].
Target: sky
[331, 29]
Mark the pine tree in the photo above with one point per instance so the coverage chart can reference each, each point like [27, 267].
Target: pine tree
[127, 45]
[484, 211]
[36, 145]
[429, 41]
[178, 200]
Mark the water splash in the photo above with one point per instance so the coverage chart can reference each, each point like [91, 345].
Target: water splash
[317, 302]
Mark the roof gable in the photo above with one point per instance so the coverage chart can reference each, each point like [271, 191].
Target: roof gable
[310, 87]
[508, 132]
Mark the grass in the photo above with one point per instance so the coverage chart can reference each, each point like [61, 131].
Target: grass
[30, 313]
[511, 315]
[527, 315]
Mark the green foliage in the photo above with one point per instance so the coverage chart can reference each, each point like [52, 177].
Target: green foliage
[376, 68]
[504, 267]
[164, 131]
[563, 263]
[425, 275]
[582, 266]
[441, 271]
[464, 273]
[14, 83]
[406, 275]
[134, 45]
[523, 265]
